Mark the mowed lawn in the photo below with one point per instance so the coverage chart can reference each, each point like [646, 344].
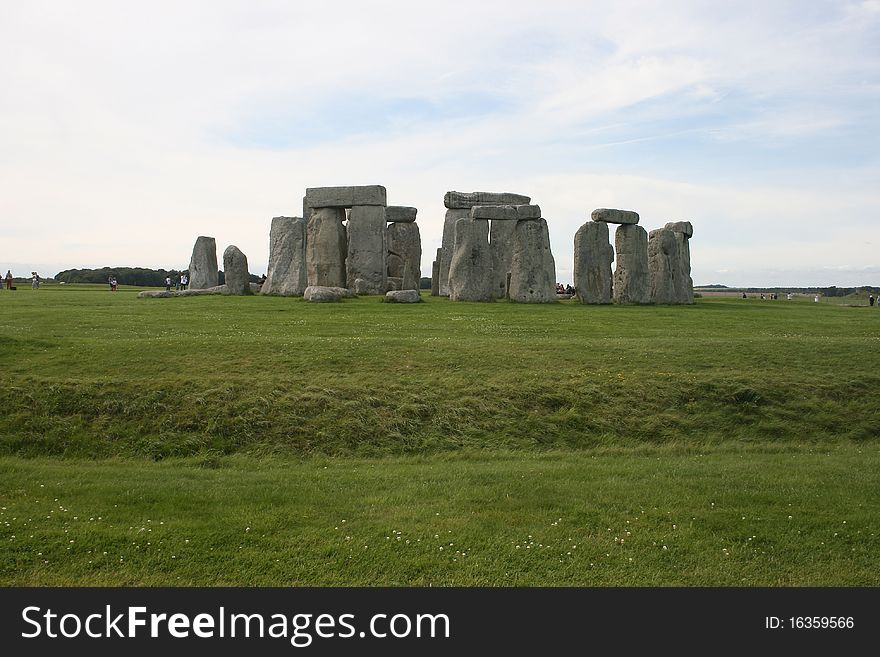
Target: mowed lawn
[264, 441]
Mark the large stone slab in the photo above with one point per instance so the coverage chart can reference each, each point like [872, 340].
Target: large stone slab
[400, 214]
[203, 271]
[365, 264]
[506, 212]
[307, 210]
[662, 263]
[345, 197]
[403, 296]
[435, 275]
[235, 269]
[684, 227]
[532, 269]
[448, 245]
[501, 245]
[404, 244]
[681, 271]
[467, 200]
[287, 274]
[593, 256]
[612, 216]
[326, 246]
[470, 272]
[632, 284]
[323, 293]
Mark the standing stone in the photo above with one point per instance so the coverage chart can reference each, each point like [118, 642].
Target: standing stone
[435, 275]
[631, 279]
[203, 264]
[593, 256]
[365, 264]
[448, 245]
[287, 275]
[532, 268]
[307, 210]
[235, 269]
[326, 248]
[470, 272]
[681, 275]
[501, 245]
[662, 262]
[404, 253]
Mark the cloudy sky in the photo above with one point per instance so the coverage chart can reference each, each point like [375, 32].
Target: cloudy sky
[129, 128]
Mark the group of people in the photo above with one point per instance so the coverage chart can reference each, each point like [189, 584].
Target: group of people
[10, 279]
[179, 283]
[564, 289]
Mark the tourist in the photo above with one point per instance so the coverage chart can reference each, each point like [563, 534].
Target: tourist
[35, 281]
[816, 299]
[184, 281]
[8, 279]
[871, 300]
[168, 284]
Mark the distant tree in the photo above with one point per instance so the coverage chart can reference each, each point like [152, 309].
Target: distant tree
[425, 283]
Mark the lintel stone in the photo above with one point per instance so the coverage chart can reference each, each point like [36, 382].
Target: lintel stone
[467, 200]
[400, 214]
[345, 197]
[612, 216]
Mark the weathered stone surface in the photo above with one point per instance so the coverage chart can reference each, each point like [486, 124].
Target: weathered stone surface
[611, 216]
[323, 293]
[400, 214]
[235, 269]
[662, 262]
[467, 200]
[501, 246]
[506, 212]
[217, 289]
[307, 210]
[345, 197]
[685, 227]
[631, 279]
[203, 264]
[393, 283]
[681, 270]
[326, 246]
[470, 272]
[403, 296]
[532, 269]
[448, 246]
[404, 245]
[435, 275]
[593, 256]
[287, 275]
[365, 264]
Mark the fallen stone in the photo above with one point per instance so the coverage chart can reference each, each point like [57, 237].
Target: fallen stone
[611, 216]
[164, 294]
[506, 212]
[448, 246]
[662, 257]
[400, 214]
[403, 296]
[404, 259]
[235, 269]
[203, 271]
[593, 256]
[287, 275]
[467, 200]
[326, 246]
[684, 227]
[532, 269]
[365, 263]
[632, 282]
[345, 197]
[324, 293]
[470, 272]
[501, 246]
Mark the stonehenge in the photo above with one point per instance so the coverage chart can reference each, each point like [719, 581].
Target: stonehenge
[501, 246]
[365, 259]
[404, 246]
[203, 272]
[682, 282]
[631, 276]
[593, 256]
[286, 274]
[662, 262]
[235, 269]
[326, 247]
[532, 267]
[471, 262]
[403, 296]
[435, 274]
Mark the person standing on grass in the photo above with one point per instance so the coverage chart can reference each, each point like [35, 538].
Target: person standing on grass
[184, 281]
[35, 281]
[168, 284]
[8, 279]
[871, 300]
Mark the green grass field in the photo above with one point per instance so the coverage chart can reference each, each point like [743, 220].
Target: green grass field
[258, 440]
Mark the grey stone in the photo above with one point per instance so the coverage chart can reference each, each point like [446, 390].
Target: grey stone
[593, 256]
[631, 279]
[203, 264]
[685, 227]
[506, 212]
[345, 197]
[393, 283]
[470, 272]
[448, 246]
[501, 246]
[235, 269]
[404, 245]
[164, 294]
[611, 216]
[400, 214]
[435, 275]
[287, 275]
[681, 270]
[403, 296]
[532, 269]
[662, 262]
[467, 200]
[365, 264]
[324, 293]
[307, 211]
[326, 247]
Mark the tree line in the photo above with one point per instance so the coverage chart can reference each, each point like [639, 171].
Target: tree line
[128, 276]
